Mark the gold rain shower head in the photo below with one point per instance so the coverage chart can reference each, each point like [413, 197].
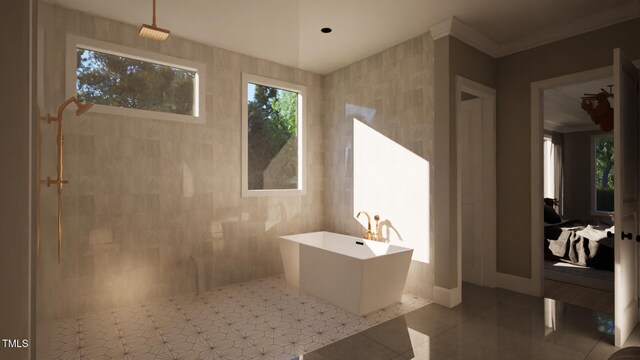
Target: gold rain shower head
[152, 31]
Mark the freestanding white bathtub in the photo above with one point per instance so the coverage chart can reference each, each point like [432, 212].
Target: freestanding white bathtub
[357, 278]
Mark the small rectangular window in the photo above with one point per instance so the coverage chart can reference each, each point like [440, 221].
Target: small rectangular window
[128, 81]
[272, 137]
[602, 166]
[113, 80]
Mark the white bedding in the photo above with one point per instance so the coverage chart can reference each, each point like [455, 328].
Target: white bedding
[594, 234]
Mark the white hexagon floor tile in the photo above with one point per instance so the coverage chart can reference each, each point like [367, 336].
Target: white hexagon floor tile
[259, 319]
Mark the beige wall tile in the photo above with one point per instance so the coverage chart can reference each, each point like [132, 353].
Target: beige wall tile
[397, 84]
[145, 195]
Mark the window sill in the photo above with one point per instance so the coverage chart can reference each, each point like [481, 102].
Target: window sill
[146, 114]
[602, 213]
[272, 193]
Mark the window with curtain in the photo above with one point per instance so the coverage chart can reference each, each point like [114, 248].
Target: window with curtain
[549, 166]
[552, 168]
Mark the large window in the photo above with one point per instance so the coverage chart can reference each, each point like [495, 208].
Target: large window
[602, 173]
[127, 81]
[272, 158]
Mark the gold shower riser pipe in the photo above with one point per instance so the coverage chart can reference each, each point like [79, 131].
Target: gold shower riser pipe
[59, 181]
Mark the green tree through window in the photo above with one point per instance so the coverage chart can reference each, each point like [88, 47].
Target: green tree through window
[273, 126]
[113, 80]
[604, 171]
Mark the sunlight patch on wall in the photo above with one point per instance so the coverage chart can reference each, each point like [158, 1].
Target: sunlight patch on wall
[393, 182]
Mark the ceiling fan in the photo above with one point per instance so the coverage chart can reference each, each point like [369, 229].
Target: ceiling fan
[599, 108]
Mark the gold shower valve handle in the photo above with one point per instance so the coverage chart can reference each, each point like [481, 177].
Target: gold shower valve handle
[49, 119]
[49, 181]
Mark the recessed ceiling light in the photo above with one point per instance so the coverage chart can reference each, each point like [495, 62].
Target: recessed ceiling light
[326, 30]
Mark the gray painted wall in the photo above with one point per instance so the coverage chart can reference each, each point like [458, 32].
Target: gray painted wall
[443, 239]
[514, 76]
[15, 102]
[452, 58]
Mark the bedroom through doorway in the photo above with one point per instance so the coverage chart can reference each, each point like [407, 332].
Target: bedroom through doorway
[578, 186]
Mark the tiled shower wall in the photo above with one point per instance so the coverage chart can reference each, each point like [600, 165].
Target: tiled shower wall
[146, 195]
[394, 91]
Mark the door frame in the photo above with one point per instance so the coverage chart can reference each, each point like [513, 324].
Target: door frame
[537, 132]
[626, 300]
[488, 201]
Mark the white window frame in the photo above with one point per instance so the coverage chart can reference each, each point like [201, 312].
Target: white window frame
[594, 195]
[73, 42]
[301, 121]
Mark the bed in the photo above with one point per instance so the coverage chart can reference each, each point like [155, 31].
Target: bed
[580, 243]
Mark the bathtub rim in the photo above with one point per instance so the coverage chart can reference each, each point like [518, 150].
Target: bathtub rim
[401, 249]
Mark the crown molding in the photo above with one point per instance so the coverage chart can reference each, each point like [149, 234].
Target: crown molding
[564, 129]
[579, 26]
[465, 33]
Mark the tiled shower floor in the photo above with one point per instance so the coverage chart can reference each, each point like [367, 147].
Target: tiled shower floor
[260, 319]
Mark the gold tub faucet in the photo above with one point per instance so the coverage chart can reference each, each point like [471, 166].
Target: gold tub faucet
[370, 235]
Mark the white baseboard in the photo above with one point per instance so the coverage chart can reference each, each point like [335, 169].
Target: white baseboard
[447, 297]
[514, 283]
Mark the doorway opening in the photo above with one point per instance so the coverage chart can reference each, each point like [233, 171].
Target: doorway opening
[577, 184]
[625, 124]
[476, 183]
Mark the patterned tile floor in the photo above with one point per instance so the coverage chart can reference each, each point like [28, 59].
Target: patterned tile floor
[260, 319]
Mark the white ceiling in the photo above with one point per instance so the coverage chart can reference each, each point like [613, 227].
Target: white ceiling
[562, 106]
[288, 31]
